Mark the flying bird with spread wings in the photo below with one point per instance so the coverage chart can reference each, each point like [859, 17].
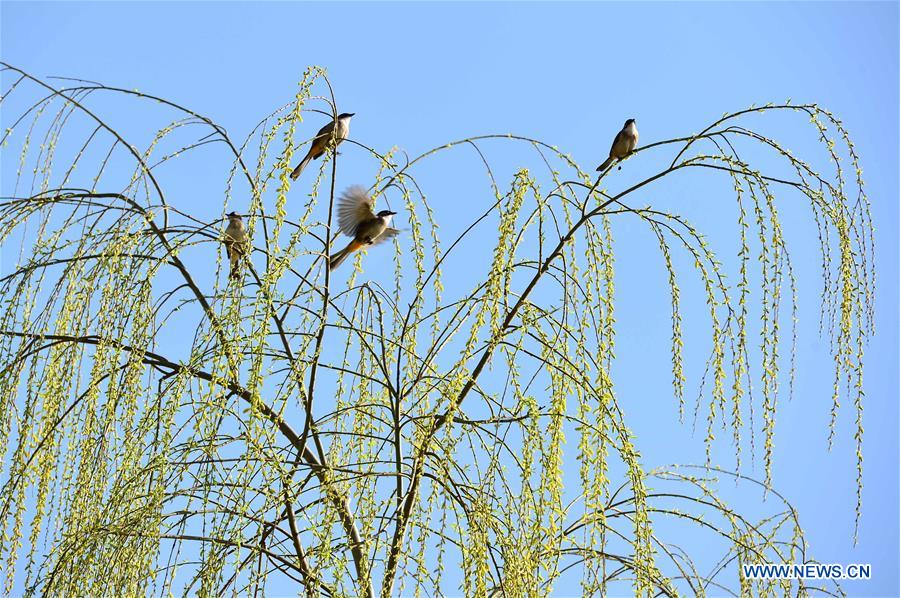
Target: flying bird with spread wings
[329, 137]
[357, 218]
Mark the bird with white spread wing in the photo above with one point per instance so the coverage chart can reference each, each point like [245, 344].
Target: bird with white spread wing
[357, 218]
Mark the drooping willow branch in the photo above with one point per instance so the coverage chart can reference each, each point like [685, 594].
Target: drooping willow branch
[220, 435]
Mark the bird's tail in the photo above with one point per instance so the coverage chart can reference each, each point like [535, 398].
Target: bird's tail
[235, 267]
[296, 172]
[606, 164]
[338, 258]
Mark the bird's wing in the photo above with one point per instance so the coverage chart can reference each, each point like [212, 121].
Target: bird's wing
[617, 144]
[228, 241]
[389, 233]
[326, 130]
[354, 207]
[235, 242]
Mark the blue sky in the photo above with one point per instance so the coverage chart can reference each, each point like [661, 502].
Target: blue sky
[421, 74]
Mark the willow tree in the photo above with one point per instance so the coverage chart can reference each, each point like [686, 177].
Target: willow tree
[169, 430]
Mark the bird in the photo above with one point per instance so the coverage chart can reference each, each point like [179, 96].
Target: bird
[624, 143]
[322, 142]
[357, 219]
[236, 242]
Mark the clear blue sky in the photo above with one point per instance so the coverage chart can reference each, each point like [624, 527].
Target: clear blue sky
[418, 75]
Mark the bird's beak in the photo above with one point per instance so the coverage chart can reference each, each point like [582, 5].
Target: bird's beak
[352, 114]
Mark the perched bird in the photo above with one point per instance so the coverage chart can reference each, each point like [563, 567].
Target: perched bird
[322, 142]
[236, 242]
[357, 219]
[624, 143]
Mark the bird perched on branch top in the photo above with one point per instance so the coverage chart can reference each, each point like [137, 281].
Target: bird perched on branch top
[323, 140]
[357, 219]
[236, 242]
[624, 143]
